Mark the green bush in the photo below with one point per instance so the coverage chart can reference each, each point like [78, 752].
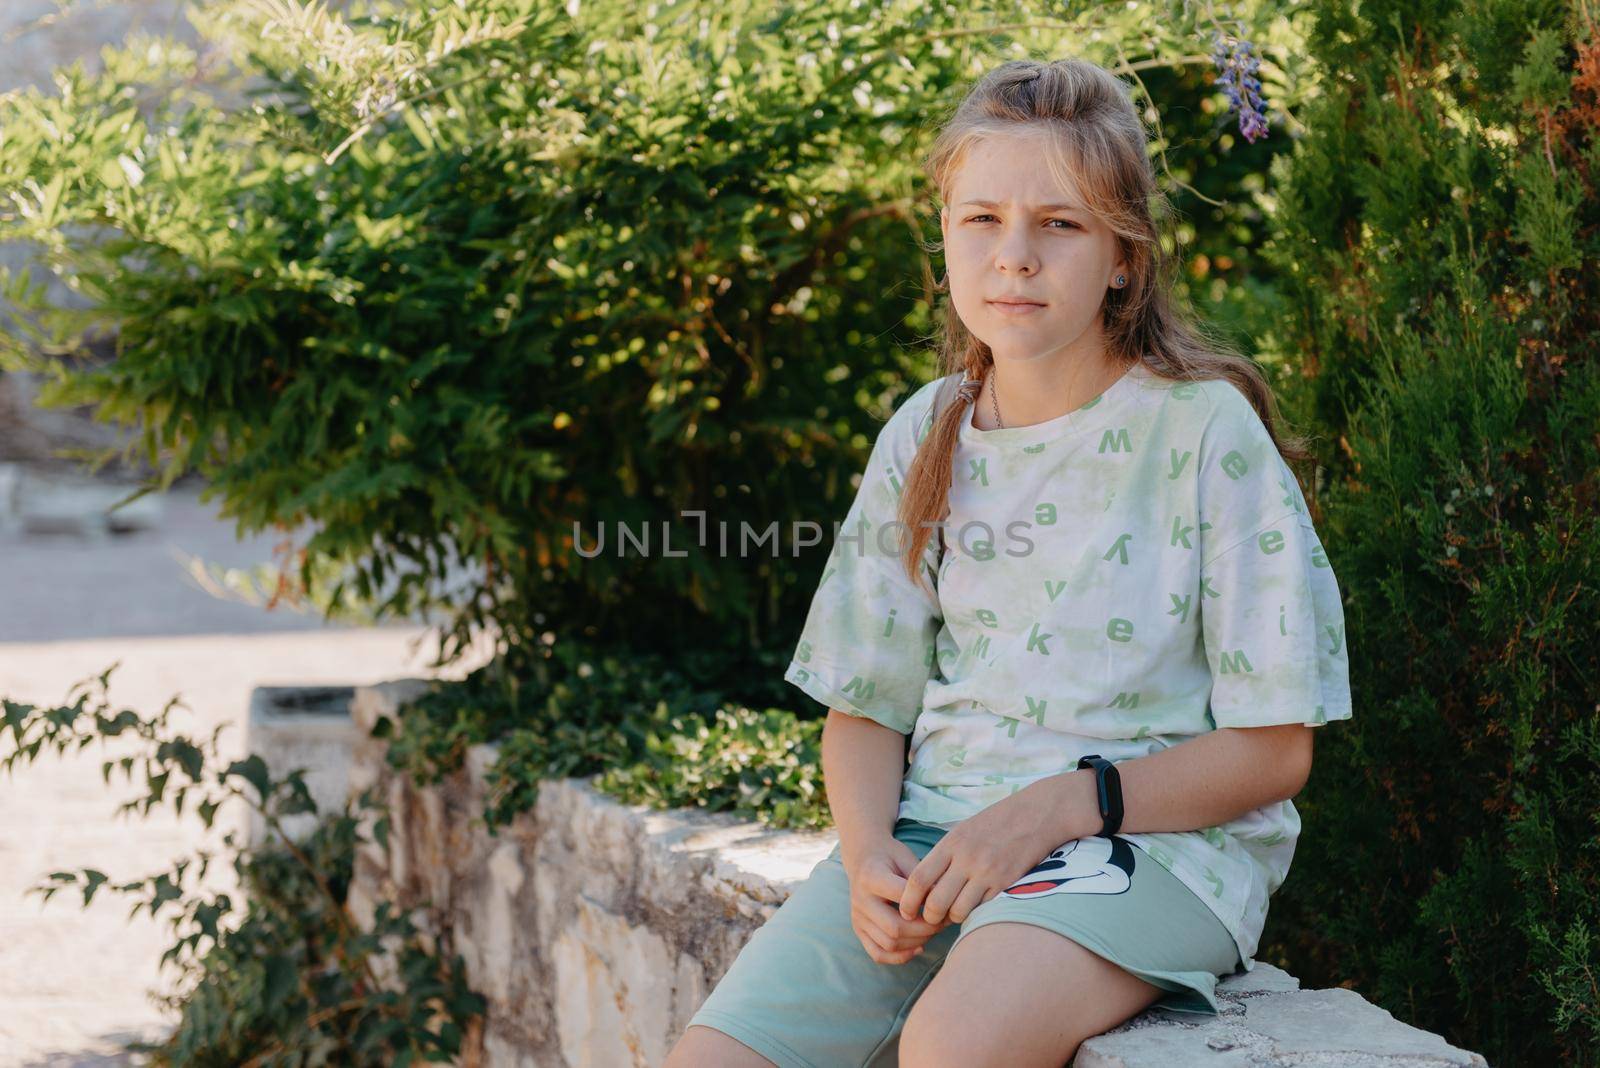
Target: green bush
[667, 733]
[443, 280]
[1439, 242]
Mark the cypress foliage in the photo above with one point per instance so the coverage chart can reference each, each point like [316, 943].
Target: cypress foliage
[1437, 238]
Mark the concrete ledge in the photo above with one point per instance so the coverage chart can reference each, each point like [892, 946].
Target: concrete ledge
[596, 929]
[306, 727]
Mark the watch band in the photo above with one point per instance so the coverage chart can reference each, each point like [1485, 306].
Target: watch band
[1108, 788]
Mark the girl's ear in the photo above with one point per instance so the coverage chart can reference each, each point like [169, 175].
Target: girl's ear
[944, 219]
[1121, 267]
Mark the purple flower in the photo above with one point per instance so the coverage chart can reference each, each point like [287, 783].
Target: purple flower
[1237, 65]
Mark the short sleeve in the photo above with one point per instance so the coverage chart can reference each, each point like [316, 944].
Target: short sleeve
[867, 646]
[1273, 628]
[1271, 617]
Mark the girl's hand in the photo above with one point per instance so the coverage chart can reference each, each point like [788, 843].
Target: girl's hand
[978, 858]
[877, 875]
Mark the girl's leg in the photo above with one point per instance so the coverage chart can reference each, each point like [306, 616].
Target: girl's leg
[803, 992]
[706, 1047]
[1062, 960]
[1021, 996]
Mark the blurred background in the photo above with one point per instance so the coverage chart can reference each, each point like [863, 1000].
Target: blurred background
[164, 586]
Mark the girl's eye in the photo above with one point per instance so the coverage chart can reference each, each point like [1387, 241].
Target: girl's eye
[1070, 225]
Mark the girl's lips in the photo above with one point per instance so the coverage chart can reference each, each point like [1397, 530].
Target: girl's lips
[1014, 309]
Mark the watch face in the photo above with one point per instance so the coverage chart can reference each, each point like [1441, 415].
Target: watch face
[1108, 787]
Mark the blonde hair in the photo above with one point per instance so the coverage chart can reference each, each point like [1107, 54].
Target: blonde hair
[1096, 146]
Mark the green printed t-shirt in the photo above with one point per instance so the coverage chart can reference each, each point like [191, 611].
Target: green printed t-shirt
[1115, 580]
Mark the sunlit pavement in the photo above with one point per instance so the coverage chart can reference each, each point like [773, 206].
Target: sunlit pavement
[74, 980]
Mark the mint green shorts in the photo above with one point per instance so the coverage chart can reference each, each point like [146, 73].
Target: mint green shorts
[804, 994]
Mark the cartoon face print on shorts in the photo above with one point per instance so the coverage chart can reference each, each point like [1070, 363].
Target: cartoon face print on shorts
[1089, 865]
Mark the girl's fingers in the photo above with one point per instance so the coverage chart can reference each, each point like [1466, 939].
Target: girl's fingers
[865, 925]
[889, 930]
[971, 896]
[936, 908]
[921, 881]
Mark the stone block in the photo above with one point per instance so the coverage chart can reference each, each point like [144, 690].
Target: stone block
[307, 727]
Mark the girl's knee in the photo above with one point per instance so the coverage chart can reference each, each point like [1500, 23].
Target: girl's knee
[706, 1047]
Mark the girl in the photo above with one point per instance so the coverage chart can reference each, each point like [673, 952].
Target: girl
[1077, 562]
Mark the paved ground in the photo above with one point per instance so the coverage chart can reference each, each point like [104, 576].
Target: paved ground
[73, 980]
[67, 585]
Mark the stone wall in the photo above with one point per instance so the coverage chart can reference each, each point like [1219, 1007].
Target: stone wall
[595, 929]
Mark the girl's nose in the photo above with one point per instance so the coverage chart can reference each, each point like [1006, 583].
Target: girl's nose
[1016, 256]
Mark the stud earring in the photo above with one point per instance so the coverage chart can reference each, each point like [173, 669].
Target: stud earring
[1121, 281]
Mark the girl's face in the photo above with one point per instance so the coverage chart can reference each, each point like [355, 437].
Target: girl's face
[1012, 233]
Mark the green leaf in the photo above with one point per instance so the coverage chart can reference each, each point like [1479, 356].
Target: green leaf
[254, 770]
[282, 978]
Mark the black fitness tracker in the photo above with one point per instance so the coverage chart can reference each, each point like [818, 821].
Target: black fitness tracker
[1108, 785]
